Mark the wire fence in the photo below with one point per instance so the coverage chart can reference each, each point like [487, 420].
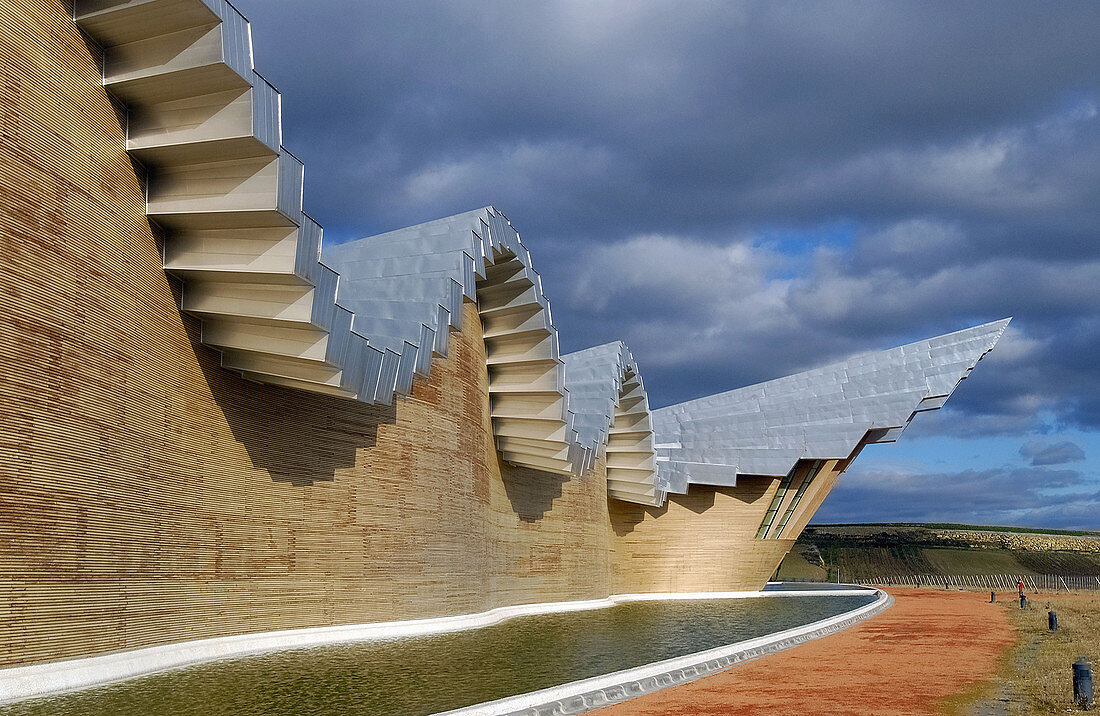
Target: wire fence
[991, 582]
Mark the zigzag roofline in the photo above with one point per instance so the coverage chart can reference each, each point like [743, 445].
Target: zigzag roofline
[822, 413]
[362, 319]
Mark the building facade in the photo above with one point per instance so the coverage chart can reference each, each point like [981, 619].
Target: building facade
[213, 425]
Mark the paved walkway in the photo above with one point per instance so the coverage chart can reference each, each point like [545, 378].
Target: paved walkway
[928, 646]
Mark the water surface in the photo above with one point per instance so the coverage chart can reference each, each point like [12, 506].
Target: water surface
[428, 674]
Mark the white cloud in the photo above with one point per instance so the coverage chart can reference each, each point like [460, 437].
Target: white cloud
[685, 300]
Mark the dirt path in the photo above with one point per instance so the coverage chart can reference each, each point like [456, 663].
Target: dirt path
[930, 645]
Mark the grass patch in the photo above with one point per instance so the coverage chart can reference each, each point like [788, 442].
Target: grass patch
[973, 561]
[956, 526]
[798, 565]
[866, 562]
[1040, 675]
[1085, 564]
[862, 552]
[863, 561]
[979, 692]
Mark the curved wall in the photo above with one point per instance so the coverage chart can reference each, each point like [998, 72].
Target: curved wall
[705, 539]
[150, 496]
[227, 198]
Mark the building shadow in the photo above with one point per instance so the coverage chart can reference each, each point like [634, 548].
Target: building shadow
[699, 498]
[750, 488]
[531, 492]
[294, 435]
[625, 516]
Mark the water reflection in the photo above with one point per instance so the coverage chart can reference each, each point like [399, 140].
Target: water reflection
[427, 674]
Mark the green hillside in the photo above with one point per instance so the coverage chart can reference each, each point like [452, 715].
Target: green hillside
[862, 552]
[958, 526]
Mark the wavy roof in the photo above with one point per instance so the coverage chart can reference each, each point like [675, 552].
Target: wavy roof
[824, 413]
[361, 319]
[611, 410]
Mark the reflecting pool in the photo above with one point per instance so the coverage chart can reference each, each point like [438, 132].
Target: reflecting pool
[428, 674]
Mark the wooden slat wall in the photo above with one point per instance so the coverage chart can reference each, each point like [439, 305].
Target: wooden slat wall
[148, 496]
[701, 541]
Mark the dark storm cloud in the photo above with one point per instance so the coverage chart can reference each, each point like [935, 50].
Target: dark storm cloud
[738, 190]
[1025, 496]
[705, 112]
[1059, 453]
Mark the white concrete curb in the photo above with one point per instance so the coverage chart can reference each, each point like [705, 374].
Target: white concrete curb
[24, 682]
[587, 694]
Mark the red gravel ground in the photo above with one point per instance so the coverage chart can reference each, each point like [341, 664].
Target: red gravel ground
[930, 645]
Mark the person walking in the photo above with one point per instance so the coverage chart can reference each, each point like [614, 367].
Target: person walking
[1021, 587]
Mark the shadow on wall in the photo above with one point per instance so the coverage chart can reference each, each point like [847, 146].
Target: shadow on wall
[303, 438]
[751, 488]
[296, 436]
[530, 492]
[625, 516]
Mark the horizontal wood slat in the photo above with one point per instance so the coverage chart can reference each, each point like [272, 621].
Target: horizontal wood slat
[149, 496]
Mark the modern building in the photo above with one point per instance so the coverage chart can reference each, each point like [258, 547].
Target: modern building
[212, 425]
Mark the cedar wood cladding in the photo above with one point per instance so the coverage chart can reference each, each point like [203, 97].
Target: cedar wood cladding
[148, 496]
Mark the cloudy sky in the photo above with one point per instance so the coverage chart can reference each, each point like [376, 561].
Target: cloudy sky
[745, 190]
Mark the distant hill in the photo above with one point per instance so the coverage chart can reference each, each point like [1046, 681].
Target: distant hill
[860, 552]
[957, 526]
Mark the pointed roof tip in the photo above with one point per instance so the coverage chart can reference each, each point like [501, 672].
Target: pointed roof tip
[995, 328]
[1000, 323]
